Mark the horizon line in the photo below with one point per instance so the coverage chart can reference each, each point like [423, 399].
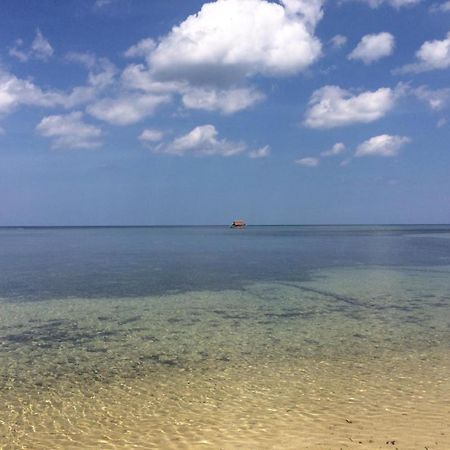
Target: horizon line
[227, 225]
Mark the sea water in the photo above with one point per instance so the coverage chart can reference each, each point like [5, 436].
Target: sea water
[207, 337]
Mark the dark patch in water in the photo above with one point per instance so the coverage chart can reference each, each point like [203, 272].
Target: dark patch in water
[227, 315]
[54, 333]
[286, 315]
[159, 358]
[174, 320]
[96, 350]
[129, 320]
[359, 336]
[150, 338]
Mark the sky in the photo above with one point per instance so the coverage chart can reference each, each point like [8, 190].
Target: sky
[155, 112]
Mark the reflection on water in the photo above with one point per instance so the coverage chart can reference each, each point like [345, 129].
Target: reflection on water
[354, 357]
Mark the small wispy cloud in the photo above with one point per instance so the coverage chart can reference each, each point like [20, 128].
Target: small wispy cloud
[202, 141]
[308, 162]
[150, 136]
[440, 7]
[40, 49]
[432, 55]
[338, 41]
[70, 131]
[383, 145]
[373, 47]
[337, 149]
[262, 152]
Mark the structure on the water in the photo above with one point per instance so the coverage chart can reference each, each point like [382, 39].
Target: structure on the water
[238, 224]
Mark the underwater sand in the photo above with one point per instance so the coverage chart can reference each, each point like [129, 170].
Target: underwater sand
[356, 357]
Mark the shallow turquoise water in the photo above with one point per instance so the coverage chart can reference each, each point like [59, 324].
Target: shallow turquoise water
[83, 310]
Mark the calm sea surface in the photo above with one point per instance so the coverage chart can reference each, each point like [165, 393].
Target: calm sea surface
[208, 337]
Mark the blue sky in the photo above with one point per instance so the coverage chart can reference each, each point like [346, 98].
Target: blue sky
[122, 112]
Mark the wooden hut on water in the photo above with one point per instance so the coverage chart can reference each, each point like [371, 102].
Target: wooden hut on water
[238, 224]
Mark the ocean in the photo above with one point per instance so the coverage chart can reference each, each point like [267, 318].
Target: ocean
[306, 337]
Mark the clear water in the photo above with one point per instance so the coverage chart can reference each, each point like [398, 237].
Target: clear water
[206, 336]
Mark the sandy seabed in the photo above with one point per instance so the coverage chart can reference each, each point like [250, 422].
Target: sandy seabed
[351, 361]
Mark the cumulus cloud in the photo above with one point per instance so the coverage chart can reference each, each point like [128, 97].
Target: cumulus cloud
[308, 162]
[373, 47]
[209, 59]
[138, 77]
[40, 49]
[227, 101]
[337, 149]
[142, 49]
[383, 145]
[15, 92]
[331, 107]
[432, 55]
[127, 108]
[338, 41]
[262, 152]
[151, 136]
[69, 131]
[229, 40]
[202, 141]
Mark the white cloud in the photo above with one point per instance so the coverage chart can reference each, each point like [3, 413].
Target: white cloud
[229, 40]
[101, 76]
[15, 92]
[338, 41]
[437, 99]
[440, 7]
[40, 49]
[331, 107]
[151, 136]
[394, 3]
[137, 77]
[227, 101]
[202, 141]
[209, 58]
[102, 3]
[69, 131]
[383, 145]
[373, 47]
[127, 108]
[432, 55]
[308, 162]
[262, 152]
[102, 71]
[337, 149]
[441, 123]
[142, 49]
[17, 52]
